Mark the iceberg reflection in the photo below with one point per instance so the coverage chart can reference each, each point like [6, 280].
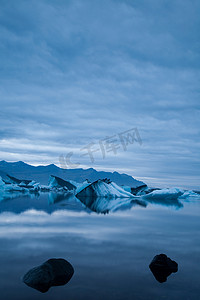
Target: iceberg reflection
[105, 205]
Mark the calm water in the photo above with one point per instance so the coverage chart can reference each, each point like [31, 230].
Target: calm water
[109, 252]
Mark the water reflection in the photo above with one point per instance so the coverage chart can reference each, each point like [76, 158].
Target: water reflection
[110, 253]
[58, 197]
[105, 205]
[52, 201]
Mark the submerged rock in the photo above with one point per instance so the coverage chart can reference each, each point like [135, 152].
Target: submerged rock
[53, 272]
[162, 266]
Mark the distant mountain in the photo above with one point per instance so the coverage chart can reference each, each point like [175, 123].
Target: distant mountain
[41, 174]
[2, 174]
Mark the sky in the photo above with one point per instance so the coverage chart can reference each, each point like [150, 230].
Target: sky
[105, 84]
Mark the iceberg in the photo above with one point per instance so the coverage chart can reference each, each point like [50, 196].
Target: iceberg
[142, 189]
[81, 186]
[8, 191]
[103, 188]
[59, 183]
[20, 182]
[167, 196]
[102, 195]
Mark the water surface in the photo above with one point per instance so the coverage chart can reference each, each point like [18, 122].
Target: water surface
[110, 252]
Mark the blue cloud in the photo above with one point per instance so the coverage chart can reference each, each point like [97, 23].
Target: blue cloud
[76, 71]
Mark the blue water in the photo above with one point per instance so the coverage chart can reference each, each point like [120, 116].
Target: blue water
[110, 252]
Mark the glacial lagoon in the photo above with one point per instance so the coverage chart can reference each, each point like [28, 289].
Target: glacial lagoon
[110, 251]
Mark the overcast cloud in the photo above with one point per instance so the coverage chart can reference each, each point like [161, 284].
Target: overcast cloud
[75, 72]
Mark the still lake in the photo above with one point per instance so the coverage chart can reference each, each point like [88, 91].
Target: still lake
[110, 252]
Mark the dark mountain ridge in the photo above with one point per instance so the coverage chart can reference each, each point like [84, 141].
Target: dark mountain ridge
[41, 174]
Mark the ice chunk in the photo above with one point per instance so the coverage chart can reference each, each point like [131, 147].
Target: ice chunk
[104, 188]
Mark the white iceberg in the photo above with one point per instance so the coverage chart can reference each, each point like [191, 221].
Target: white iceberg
[103, 188]
[61, 184]
[167, 196]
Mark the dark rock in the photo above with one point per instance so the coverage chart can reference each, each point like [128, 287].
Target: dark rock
[53, 272]
[162, 266]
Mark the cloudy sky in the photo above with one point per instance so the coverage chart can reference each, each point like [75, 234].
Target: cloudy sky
[74, 73]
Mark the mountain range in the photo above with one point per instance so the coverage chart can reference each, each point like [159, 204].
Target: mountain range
[41, 174]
